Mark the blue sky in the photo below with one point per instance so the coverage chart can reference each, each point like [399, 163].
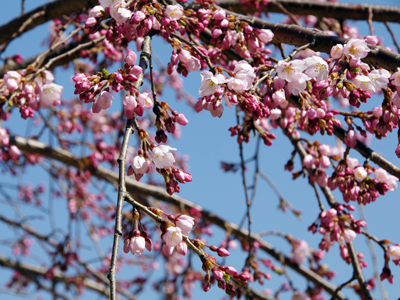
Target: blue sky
[207, 141]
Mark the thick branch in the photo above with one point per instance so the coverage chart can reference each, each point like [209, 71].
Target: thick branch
[336, 10]
[28, 269]
[32, 146]
[320, 41]
[52, 10]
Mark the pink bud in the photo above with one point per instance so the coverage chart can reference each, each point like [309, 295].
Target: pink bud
[222, 252]
[181, 119]
[231, 271]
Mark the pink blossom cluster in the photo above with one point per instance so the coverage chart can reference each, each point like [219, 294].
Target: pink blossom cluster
[337, 225]
[29, 93]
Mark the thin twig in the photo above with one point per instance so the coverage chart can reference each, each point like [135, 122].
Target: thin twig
[144, 58]
[393, 36]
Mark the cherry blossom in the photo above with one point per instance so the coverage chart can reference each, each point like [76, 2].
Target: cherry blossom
[103, 102]
[50, 95]
[185, 223]
[162, 157]
[12, 80]
[137, 245]
[172, 236]
[356, 49]
[316, 67]
[210, 83]
[174, 12]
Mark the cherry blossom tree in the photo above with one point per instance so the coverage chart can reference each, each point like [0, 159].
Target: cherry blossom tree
[268, 72]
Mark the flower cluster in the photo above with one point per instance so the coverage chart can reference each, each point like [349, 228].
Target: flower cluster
[29, 92]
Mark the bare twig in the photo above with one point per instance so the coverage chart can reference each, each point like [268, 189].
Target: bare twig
[393, 36]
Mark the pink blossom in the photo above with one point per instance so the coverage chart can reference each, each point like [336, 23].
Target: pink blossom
[182, 248]
[298, 84]
[129, 106]
[217, 273]
[337, 51]
[316, 67]
[350, 139]
[279, 97]
[193, 65]
[265, 36]
[360, 173]
[364, 82]
[119, 13]
[308, 161]
[14, 152]
[108, 3]
[172, 236]
[145, 100]
[140, 165]
[379, 78]
[325, 149]
[167, 250]
[50, 95]
[137, 244]
[382, 176]
[219, 14]
[95, 12]
[290, 71]
[12, 80]
[162, 157]
[138, 16]
[103, 102]
[174, 12]
[396, 77]
[356, 49]
[300, 252]
[237, 85]
[185, 223]
[300, 296]
[394, 252]
[210, 83]
[372, 39]
[131, 57]
[184, 56]
[4, 138]
[245, 72]
[349, 235]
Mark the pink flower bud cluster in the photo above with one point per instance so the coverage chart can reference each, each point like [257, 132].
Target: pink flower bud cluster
[337, 225]
[31, 94]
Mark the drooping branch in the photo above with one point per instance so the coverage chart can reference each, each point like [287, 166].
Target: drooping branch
[27, 269]
[357, 272]
[336, 10]
[42, 14]
[144, 60]
[135, 187]
[90, 269]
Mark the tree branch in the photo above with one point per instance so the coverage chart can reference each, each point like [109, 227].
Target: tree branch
[27, 269]
[320, 41]
[144, 59]
[336, 10]
[52, 10]
[133, 186]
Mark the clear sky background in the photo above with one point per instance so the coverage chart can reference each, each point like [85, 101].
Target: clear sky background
[206, 141]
